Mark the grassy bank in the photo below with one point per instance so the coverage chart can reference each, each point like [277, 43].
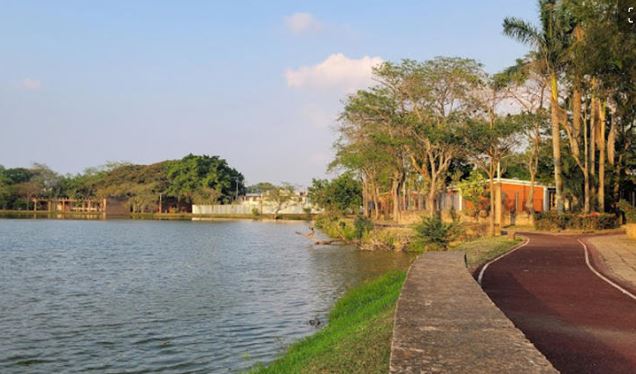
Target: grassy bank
[357, 337]
[485, 249]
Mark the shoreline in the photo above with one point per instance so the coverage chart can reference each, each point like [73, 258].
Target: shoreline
[42, 214]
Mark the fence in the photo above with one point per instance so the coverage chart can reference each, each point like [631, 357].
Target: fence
[222, 210]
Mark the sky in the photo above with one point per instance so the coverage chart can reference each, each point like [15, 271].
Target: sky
[259, 83]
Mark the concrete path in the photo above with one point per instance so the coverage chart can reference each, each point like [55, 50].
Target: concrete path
[616, 256]
[580, 322]
[444, 323]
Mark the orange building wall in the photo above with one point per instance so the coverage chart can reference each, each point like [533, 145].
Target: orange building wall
[508, 195]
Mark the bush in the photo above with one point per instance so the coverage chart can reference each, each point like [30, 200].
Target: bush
[433, 232]
[388, 239]
[344, 228]
[256, 212]
[594, 221]
[362, 226]
[336, 227]
[628, 210]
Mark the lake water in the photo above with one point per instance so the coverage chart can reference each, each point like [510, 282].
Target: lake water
[164, 296]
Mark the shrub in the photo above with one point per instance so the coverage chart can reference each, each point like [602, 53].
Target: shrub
[435, 233]
[594, 221]
[388, 239]
[256, 212]
[628, 210]
[336, 227]
[362, 226]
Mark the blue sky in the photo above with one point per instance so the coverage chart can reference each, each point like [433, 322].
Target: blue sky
[256, 82]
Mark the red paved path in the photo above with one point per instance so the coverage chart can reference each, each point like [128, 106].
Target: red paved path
[578, 321]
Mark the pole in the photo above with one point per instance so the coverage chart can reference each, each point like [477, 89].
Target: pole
[498, 207]
[236, 194]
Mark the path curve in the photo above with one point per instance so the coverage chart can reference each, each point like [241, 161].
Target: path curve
[581, 323]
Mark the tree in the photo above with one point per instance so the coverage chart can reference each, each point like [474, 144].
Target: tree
[280, 196]
[526, 84]
[358, 153]
[206, 195]
[550, 43]
[196, 175]
[49, 181]
[371, 119]
[260, 187]
[342, 195]
[5, 191]
[490, 142]
[472, 190]
[435, 97]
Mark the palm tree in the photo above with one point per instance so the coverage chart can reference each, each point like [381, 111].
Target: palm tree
[550, 44]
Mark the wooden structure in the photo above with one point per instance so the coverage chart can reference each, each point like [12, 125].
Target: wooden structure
[106, 206]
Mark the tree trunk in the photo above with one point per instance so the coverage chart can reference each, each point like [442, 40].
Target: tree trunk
[395, 197]
[376, 202]
[365, 198]
[556, 141]
[601, 157]
[592, 152]
[611, 158]
[617, 181]
[586, 170]
[575, 140]
[430, 201]
[530, 202]
[491, 188]
[533, 166]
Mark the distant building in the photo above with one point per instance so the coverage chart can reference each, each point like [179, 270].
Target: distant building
[260, 203]
[106, 206]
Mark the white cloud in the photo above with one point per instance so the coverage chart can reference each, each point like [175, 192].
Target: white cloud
[299, 23]
[337, 71]
[29, 84]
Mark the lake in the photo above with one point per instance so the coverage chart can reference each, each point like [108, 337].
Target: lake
[165, 296]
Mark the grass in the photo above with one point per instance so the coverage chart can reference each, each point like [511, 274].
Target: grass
[357, 337]
[485, 249]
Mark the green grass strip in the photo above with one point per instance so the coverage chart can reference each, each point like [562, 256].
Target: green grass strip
[357, 338]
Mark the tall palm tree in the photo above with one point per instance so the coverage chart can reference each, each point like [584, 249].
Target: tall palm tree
[550, 44]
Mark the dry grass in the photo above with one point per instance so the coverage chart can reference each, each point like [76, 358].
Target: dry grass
[630, 229]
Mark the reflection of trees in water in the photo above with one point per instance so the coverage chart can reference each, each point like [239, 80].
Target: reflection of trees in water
[335, 269]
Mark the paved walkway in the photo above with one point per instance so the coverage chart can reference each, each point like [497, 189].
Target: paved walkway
[616, 257]
[576, 319]
[444, 323]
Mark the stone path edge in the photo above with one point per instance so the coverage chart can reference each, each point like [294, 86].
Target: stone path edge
[445, 322]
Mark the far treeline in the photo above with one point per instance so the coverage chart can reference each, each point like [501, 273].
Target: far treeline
[563, 115]
[193, 179]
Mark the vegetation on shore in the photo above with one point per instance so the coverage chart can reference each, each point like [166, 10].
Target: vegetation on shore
[358, 334]
[192, 179]
[355, 340]
[425, 125]
[482, 250]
